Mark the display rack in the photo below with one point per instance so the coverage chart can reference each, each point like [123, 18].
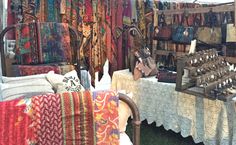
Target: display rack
[206, 74]
[223, 7]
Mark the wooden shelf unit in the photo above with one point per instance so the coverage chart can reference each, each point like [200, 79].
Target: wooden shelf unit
[218, 8]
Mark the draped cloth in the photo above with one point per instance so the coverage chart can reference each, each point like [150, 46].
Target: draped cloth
[26, 43]
[75, 118]
[43, 43]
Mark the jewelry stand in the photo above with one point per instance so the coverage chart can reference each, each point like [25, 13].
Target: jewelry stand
[206, 74]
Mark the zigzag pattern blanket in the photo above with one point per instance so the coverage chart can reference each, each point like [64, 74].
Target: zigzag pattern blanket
[77, 118]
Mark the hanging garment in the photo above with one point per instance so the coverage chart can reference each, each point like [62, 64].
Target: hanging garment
[141, 17]
[120, 58]
[114, 64]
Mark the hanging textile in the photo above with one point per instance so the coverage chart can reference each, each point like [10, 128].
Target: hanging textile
[119, 24]
[141, 17]
[26, 44]
[54, 43]
[109, 53]
[114, 12]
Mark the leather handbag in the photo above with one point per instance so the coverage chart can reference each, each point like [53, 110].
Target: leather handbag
[209, 35]
[231, 33]
[182, 34]
[163, 31]
[145, 64]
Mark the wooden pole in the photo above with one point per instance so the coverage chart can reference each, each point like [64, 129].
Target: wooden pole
[235, 12]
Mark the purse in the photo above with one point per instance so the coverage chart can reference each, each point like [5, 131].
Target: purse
[163, 31]
[181, 33]
[231, 33]
[209, 35]
[145, 64]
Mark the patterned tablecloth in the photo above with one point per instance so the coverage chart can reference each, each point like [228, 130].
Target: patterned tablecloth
[212, 122]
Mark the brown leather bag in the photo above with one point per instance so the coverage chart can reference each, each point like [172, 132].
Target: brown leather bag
[163, 31]
[145, 65]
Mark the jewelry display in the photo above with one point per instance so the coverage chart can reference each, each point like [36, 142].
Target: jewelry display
[209, 75]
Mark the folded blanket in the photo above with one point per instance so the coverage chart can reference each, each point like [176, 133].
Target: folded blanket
[55, 119]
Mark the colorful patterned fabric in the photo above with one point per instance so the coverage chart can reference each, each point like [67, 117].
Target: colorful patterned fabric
[48, 119]
[25, 70]
[43, 43]
[106, 117]
[16, 123]
[76, 118]
[26, 44]
[54, 43]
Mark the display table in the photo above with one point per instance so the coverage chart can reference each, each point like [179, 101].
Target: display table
[212, 122]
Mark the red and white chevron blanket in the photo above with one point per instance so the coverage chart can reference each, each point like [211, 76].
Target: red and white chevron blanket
[77, 118]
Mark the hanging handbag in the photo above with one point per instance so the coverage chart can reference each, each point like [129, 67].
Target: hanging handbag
[163, 31]
[211, 33]
[231, 33]
[182, 34]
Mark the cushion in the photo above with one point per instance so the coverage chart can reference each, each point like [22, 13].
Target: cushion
[124, 114]
[65, 83]
[10, 91]
[22, 79]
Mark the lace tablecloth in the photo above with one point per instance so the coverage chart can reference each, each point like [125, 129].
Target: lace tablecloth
[212, 122]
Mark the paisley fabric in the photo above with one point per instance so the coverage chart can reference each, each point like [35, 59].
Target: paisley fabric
[106, 117]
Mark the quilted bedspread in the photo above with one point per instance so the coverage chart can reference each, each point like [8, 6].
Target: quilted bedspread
[77, 118]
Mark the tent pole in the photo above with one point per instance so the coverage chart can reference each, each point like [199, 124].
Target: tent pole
[234, 12]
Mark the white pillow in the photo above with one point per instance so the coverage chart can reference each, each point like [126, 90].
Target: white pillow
[22, 79]
[11, 91]
[67, 83]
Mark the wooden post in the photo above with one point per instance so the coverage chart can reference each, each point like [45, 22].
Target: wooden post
[234, 12]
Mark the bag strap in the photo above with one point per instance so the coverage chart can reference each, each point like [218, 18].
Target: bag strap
[212, 19]
[162, 20]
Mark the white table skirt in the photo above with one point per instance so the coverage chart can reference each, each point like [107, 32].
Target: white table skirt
[212, 122]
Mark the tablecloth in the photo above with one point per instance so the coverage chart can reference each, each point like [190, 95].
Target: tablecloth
[212, 122]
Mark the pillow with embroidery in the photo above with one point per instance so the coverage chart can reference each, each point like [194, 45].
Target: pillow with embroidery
[65, 83]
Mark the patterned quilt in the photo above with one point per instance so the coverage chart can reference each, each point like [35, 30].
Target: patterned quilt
[77, 118]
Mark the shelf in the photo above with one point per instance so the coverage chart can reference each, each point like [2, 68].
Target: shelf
[166, 52]
[217, 9]
[231, 59]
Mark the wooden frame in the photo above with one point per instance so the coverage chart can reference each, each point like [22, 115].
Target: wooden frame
[136, 117]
